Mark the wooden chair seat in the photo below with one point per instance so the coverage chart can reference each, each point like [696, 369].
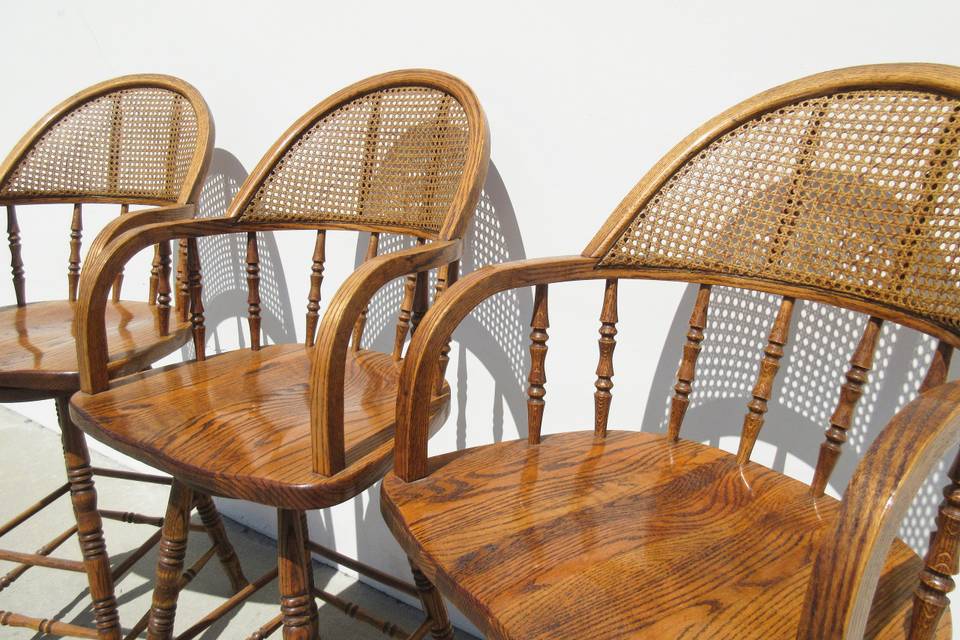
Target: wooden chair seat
[238, 424]
[38, 351]
[632, 536]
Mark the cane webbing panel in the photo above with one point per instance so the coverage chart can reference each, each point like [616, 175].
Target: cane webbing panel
[132, 143]
[393, 157]
[854, 193]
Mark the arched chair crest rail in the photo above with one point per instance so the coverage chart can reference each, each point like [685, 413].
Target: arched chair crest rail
[302, 426]
[841, 188]
[142, 141]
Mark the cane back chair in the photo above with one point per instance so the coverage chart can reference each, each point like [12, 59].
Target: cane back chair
[302, 426]
[134, 140]
[840, 188]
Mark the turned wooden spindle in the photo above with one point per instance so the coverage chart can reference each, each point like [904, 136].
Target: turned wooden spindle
[372, 245]
[118, 281]
[941, 562]
[16, 258]
[762, 389]
[688, 364]
[421, 300]
[163, 288]
[440, 627]
[446, 277]
[406, 312]
[850, 393]
[253, 290]
[183, 288]
[76, 237]
[607, 343]
[154, 276]
[194, 281]
[316, 279]
[538, 355]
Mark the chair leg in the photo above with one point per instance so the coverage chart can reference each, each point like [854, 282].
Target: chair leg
[296, 602]
[308, 563]
[218, 535]
[83, 494]
[433, 605]
[172, 549]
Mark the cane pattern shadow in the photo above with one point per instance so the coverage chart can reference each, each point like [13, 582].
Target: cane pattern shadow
[223, 265]
[822, 340]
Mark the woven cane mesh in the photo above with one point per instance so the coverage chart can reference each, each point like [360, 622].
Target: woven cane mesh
[855, 193]
[394, 157]
[132, 143]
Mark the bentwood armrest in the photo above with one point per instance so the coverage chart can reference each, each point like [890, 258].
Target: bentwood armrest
[326, 412]
[420, 364]
[886, 480]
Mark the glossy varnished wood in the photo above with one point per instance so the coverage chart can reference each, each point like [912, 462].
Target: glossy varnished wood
[37, 350]
[631, 536]
[238, 424]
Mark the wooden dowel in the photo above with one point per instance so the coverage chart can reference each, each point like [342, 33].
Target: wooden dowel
[16, 257]
[357, 613]
[131, 518]
[34, 509]
[154, 275]
[194, 280]
[538, 355]
[73, 266]
[403, 318]
[372, 246]
[39, 560]
[253, 290]
[45, 550]
[762, 390]
[850, 392]
[316, 280]
[230, 604]
[688, 363]
[51, 627]
[130, 475]
[163, 289]
[367, 570]
[607, 343]
[267, 630]
[118, 281]
[183, 286]
[446, 277]
[421, 631]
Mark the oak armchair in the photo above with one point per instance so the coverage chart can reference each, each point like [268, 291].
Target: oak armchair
[139, 140]
[300, 426]
[841, 188]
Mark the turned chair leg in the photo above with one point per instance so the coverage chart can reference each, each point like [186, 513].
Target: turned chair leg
[433, 605]
[173, 548]
[218, 536]
[296, 601]
[83, 494]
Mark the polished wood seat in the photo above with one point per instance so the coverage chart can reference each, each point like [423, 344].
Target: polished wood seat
[253, 407]
[666, 539]
[39, 350]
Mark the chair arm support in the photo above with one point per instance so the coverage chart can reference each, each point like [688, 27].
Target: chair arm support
[333, 337]
[121, 224]
[420, 365]
[97, 278]
[852, 554]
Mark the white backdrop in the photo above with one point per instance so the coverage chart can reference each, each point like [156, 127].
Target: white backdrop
[581, 99]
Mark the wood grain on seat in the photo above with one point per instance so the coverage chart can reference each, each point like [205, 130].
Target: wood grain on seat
[631, 536]
[238, 424]
[38, 351]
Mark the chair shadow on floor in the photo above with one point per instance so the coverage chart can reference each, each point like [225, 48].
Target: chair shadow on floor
[822, 340]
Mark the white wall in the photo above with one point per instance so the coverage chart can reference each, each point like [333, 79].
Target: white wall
[581, 98]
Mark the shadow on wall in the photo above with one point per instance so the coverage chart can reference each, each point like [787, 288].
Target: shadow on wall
[223, 260]
[822, 340]
[495, 334]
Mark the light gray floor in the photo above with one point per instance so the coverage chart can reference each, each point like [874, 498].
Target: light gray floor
[32, 467]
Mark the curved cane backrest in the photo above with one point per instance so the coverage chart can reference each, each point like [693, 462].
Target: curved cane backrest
[847, 183]
[394, 153]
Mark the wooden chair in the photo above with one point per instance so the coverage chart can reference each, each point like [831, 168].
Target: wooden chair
[301, 426]
[134, 140]
[840, 188]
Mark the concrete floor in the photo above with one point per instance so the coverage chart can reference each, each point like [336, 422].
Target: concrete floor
[33, 467]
